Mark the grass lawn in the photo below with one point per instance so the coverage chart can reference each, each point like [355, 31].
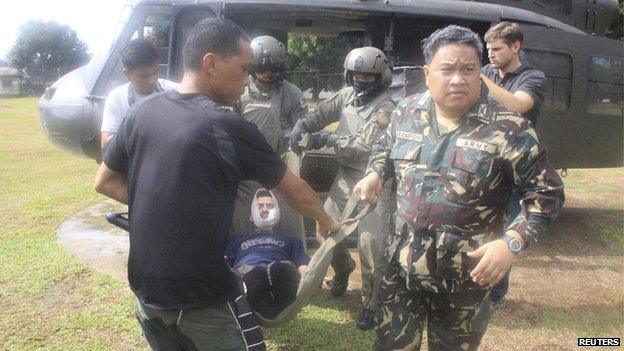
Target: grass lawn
[568, 287]
[52, 301]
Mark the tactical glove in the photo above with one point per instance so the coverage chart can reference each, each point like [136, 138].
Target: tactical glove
[321, 139]
[303, 125]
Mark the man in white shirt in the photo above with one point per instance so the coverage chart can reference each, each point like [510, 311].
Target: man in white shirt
[140, 61]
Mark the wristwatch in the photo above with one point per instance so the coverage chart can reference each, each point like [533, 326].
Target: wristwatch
[514, 244]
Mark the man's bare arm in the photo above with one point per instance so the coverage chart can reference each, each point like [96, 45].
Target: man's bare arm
[304, 200]
[519, 101]
[105, 138]
[111, 184]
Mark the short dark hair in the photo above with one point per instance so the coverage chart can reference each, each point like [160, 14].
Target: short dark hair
[139, 52]
[507, 31]
[452, 34]
[263, 193]
[216, 35]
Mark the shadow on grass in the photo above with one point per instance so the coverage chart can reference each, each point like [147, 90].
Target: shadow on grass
[580, 231]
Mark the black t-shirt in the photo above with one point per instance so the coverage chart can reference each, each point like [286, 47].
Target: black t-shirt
[183, 157]
[527, 79]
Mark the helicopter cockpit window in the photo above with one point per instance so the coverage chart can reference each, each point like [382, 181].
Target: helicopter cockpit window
[151, 23]
[604, 88]
[156, 30]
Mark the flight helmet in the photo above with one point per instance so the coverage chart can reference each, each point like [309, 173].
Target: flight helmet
[268, 54]
[367, 59]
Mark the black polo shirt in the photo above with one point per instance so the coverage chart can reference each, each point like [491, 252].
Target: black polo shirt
[527, 79]
[183, 157]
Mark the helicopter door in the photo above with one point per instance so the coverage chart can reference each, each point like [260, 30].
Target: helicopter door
[185, 19]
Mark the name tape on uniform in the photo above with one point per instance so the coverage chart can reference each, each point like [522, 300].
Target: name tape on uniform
[400, 134]
[477, 145]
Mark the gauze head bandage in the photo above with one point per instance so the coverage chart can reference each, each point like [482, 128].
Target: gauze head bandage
[274, 213]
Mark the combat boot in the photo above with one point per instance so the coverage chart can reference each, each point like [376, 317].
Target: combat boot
[340, 281]
[366, 321]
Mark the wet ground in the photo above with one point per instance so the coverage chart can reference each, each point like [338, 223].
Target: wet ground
[94, 241]
[104, 247]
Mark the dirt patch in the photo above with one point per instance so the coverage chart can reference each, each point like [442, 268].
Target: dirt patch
[570, 284]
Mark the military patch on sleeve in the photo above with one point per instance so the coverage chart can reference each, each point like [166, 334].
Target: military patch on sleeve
[382, 119]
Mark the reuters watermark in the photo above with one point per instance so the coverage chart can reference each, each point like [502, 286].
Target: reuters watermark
[598, 342]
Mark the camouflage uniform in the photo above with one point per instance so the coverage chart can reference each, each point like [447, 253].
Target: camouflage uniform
[274, 112]
[359, 128]
[452, 191]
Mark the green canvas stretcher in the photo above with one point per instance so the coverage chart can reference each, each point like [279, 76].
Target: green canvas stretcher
[319, 263]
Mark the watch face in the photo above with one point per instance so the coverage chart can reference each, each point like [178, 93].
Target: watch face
[515, 245]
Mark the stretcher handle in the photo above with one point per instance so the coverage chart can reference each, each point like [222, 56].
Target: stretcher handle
[351, 205]
[119, 219]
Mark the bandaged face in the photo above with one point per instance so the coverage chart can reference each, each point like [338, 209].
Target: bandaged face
[265, 211]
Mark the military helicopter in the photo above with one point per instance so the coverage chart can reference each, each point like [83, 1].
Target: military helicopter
[593, 17]
[581, 120]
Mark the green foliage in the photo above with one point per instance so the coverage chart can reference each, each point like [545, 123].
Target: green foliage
[323, 55]
[45, 51]
[51, 301]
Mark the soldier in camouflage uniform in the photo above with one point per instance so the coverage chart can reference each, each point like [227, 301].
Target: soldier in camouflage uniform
[363, 110]
[274, 105]
[456, 156]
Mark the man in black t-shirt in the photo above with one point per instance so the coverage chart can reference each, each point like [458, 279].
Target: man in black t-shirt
[513, 84]
[176, 161]
[518, 87]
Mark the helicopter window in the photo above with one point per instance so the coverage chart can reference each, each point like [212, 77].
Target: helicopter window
[604, 88]
[558, 70]
[605, 69]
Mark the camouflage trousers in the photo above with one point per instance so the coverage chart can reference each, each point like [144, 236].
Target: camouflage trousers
[455, 321]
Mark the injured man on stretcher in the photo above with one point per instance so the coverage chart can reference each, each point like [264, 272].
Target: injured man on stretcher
[270, 264]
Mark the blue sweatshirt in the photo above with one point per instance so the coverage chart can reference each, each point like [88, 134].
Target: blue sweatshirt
[262, 248]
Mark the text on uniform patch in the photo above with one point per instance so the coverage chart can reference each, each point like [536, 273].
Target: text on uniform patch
[478, 145]
[400, 134]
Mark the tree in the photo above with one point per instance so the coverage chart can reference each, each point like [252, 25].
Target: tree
[316, 62]
[44, 51]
